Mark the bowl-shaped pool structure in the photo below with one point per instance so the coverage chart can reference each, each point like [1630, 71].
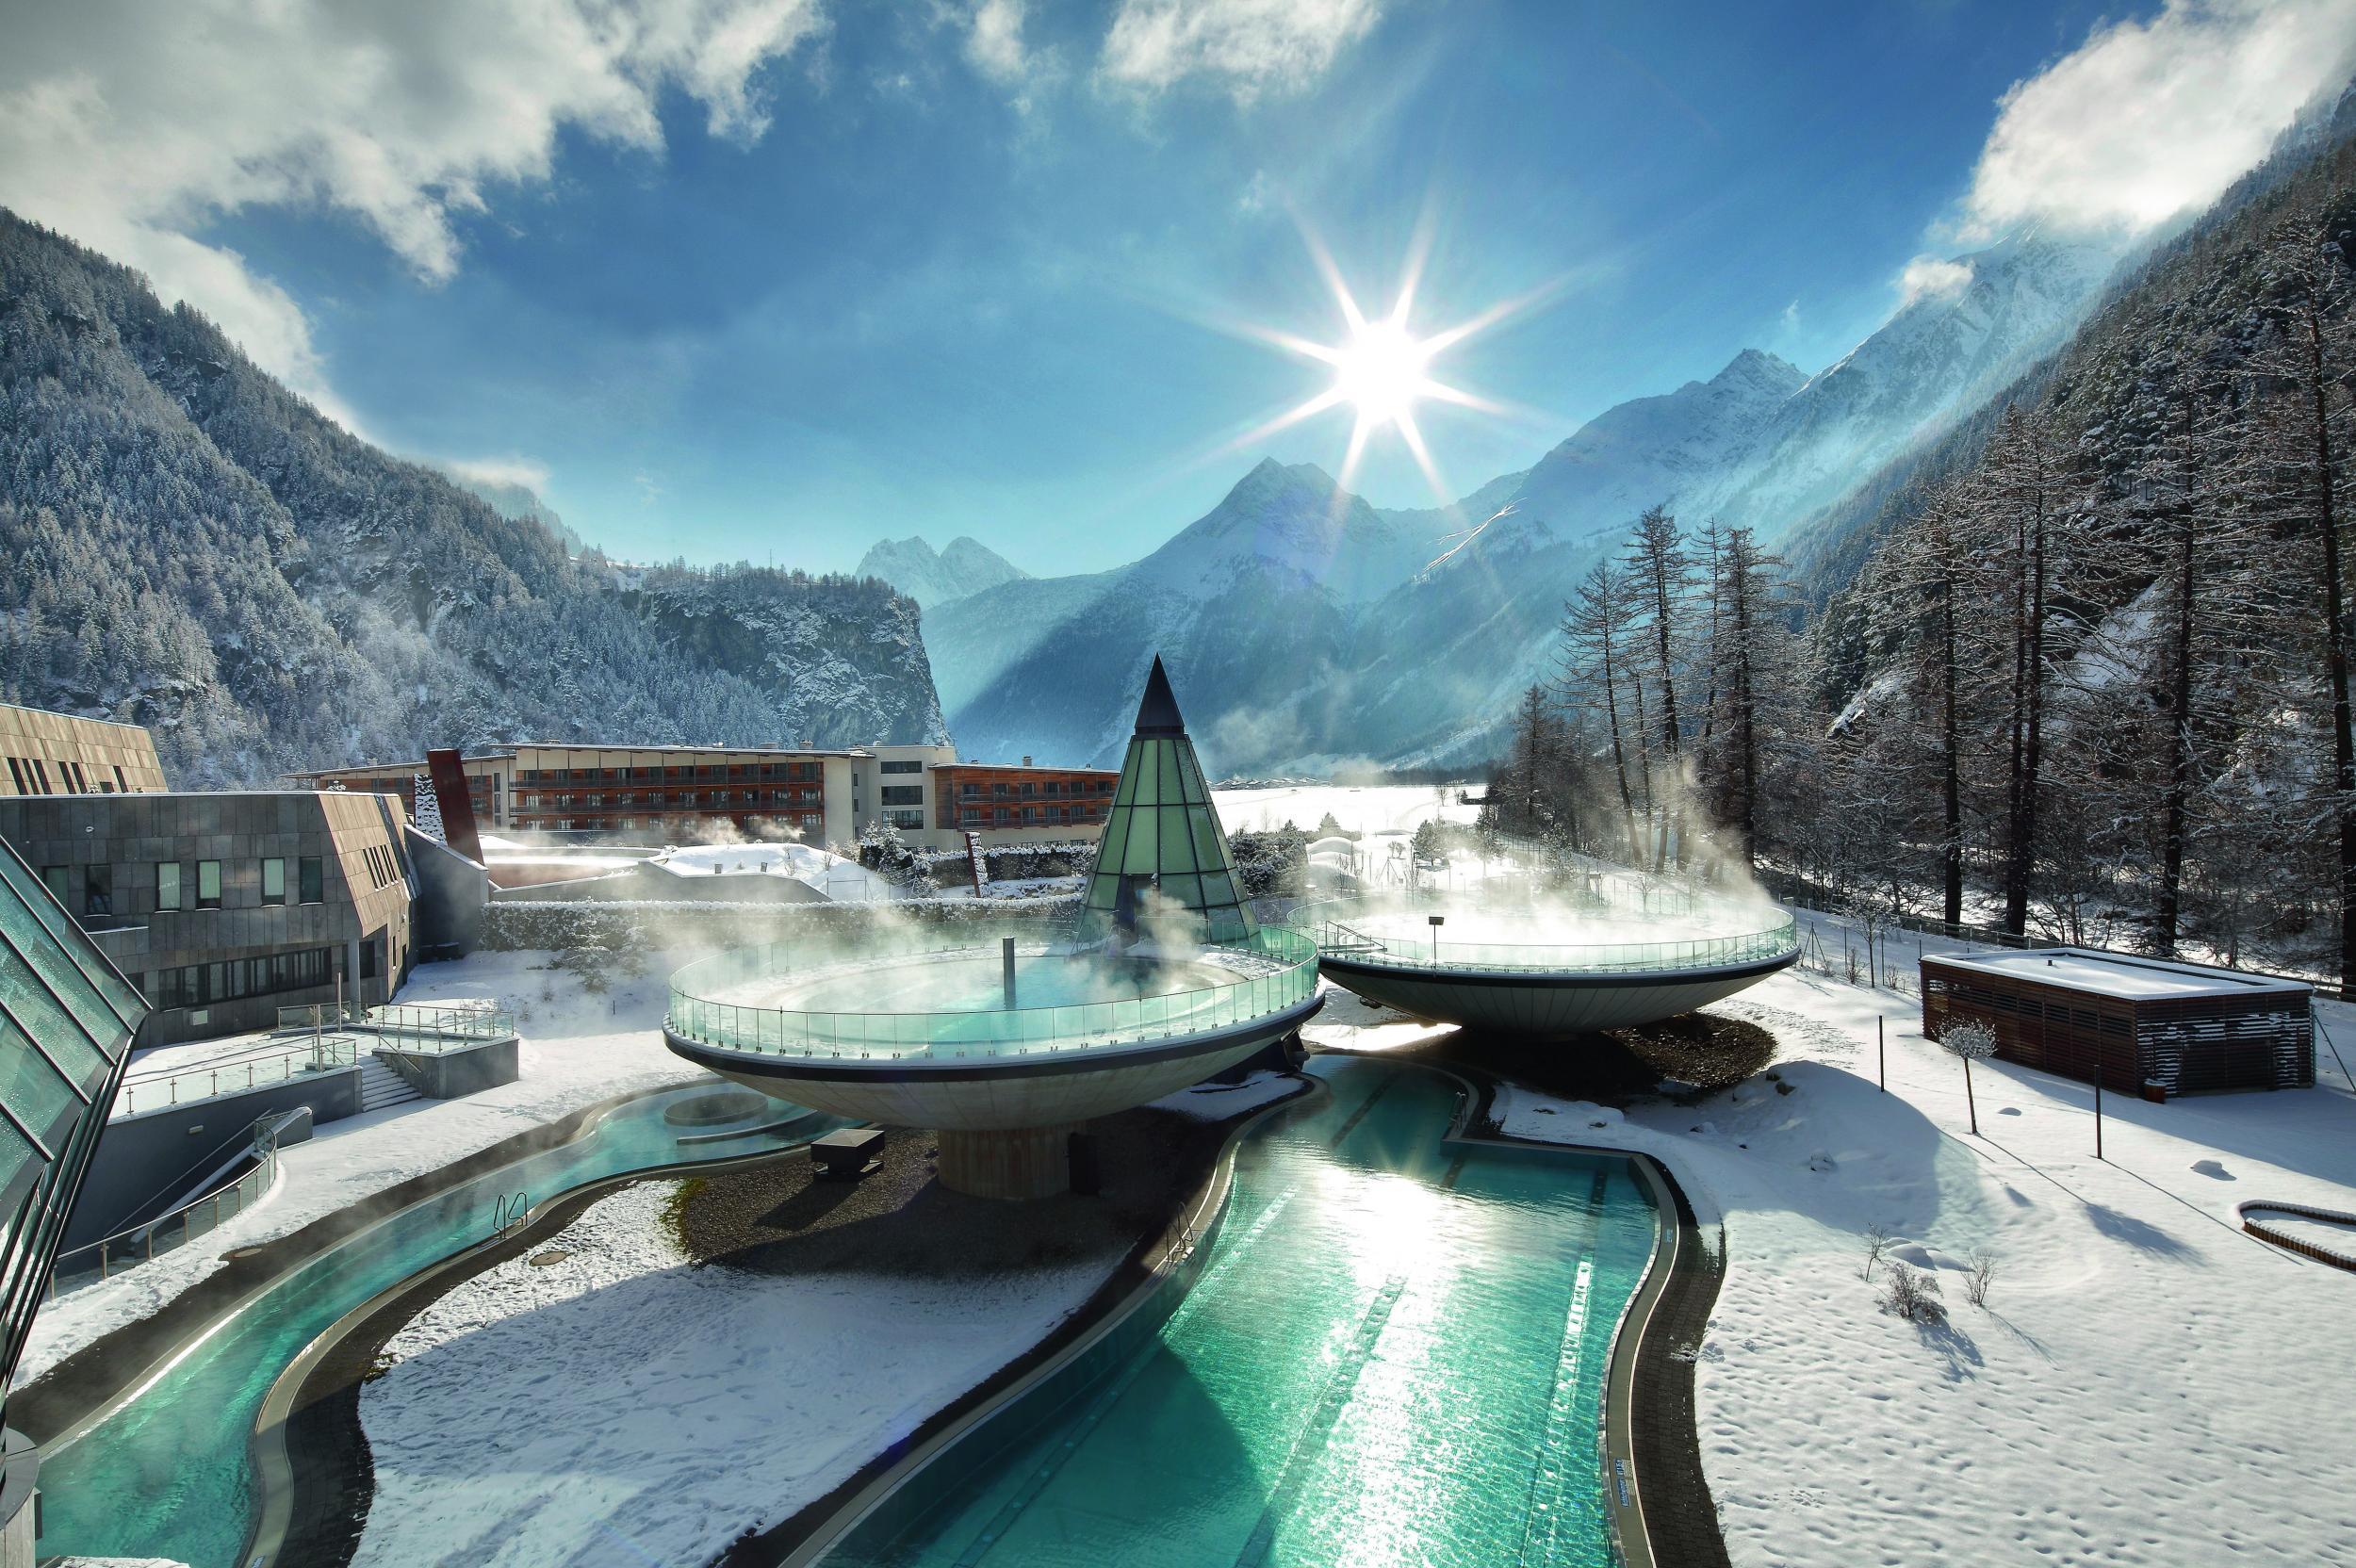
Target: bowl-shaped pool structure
[933, 1038]
[1555, 972]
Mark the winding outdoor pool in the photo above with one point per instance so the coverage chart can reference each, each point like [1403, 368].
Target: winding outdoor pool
[168, 1473]
[1393, 1353]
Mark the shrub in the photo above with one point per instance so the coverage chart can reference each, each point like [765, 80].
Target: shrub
[1982, 1271]
[1912, 1293]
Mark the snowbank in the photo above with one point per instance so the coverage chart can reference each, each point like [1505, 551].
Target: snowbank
[670, 1408]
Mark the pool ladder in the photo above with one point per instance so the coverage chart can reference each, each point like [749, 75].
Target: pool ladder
[513, 1207]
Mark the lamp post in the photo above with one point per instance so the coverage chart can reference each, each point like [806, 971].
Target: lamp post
[1437, 920]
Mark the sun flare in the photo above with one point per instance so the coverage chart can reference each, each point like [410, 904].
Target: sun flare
[1381, 369]
[1380, 372]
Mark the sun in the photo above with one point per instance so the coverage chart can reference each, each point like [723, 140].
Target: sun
[1380, 373]
[1382, 368]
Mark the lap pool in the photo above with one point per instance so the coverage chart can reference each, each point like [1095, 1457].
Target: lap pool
[1394, 1352]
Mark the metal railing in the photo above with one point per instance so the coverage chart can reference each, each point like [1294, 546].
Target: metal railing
[111, 1255]
[1347, 939]
[430, 1030]
[255, 1070]
[318, 1015]
[1273, 970]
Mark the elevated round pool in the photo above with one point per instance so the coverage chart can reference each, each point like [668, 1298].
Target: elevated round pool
[969, 1037]
[1554, 970]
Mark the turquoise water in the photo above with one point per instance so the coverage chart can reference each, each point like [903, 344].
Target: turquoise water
[168, 1474]
[955, 985]
[1395, 1354]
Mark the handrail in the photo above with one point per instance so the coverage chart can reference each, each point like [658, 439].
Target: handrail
[186, 1085]
[1275, 969]
[140, 1243]
[1351, 941]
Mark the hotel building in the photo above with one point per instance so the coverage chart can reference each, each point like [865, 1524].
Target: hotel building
[648, 793]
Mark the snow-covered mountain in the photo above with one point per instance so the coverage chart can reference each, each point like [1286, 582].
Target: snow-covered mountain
[1974, 324]
[1404, 636]
[966, 567]
[184, 543]
[1253, 605]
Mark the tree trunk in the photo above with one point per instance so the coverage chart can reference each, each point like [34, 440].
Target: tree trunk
[2336, 644]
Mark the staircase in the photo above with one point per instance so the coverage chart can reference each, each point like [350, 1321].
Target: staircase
[381, 1087]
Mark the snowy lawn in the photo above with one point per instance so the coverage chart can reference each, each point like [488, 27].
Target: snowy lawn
[619, 1406]
[2146, 1385]
[576, 1050]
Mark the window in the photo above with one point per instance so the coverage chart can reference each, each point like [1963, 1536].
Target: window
[41, 776]
[53, 878]
[972, 815]
[901, 766]
[167, 885]
[905, 819]
[209, 884]
[16, 773]
[273, 881]
[967, 790]
[81, 780]
[903, 795]
[310, 882]
[98, 891]
[123, 785]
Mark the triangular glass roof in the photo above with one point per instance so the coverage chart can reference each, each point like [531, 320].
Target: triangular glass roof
[1162, 839]
[67, 1019]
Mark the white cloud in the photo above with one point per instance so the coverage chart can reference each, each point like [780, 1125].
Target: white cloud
[130, 126]
[1931, 278]
[2148, 119]
[995, 44]
[1247, 47]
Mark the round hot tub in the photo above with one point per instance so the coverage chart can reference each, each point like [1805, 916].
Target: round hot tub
[1553, 971]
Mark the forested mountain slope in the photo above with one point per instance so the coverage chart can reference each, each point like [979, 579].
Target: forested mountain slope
[185, 544]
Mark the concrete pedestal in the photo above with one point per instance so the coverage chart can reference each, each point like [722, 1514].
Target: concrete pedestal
[1025, 1162]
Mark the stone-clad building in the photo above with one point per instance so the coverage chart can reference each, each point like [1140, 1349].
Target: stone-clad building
[59, 754]
[225, 907]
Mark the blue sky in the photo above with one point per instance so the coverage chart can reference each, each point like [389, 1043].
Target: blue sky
[901, 275]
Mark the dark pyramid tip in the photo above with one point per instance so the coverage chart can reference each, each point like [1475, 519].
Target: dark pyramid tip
[1157, 714]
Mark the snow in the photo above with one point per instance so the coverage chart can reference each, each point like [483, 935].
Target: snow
[672, 1407]
[2117, 975]
[1216, 1101]
[1370, 809]
[2140, 1388]
[576, 1049]
[842, 879]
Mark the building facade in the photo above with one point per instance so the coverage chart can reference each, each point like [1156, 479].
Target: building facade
[1013, 802]
[225, 907]
[2138, 1025]
[651, 794]
[58, 754]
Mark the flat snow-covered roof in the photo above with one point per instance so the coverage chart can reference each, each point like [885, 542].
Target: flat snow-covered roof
[2122, 975]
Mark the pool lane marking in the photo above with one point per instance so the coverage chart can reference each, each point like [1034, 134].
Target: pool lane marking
[1078, 1432]
[1562, 1399]
[1363, 1106]
[1311, 1441]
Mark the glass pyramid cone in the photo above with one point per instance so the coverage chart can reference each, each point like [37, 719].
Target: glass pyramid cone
[1163, 853]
